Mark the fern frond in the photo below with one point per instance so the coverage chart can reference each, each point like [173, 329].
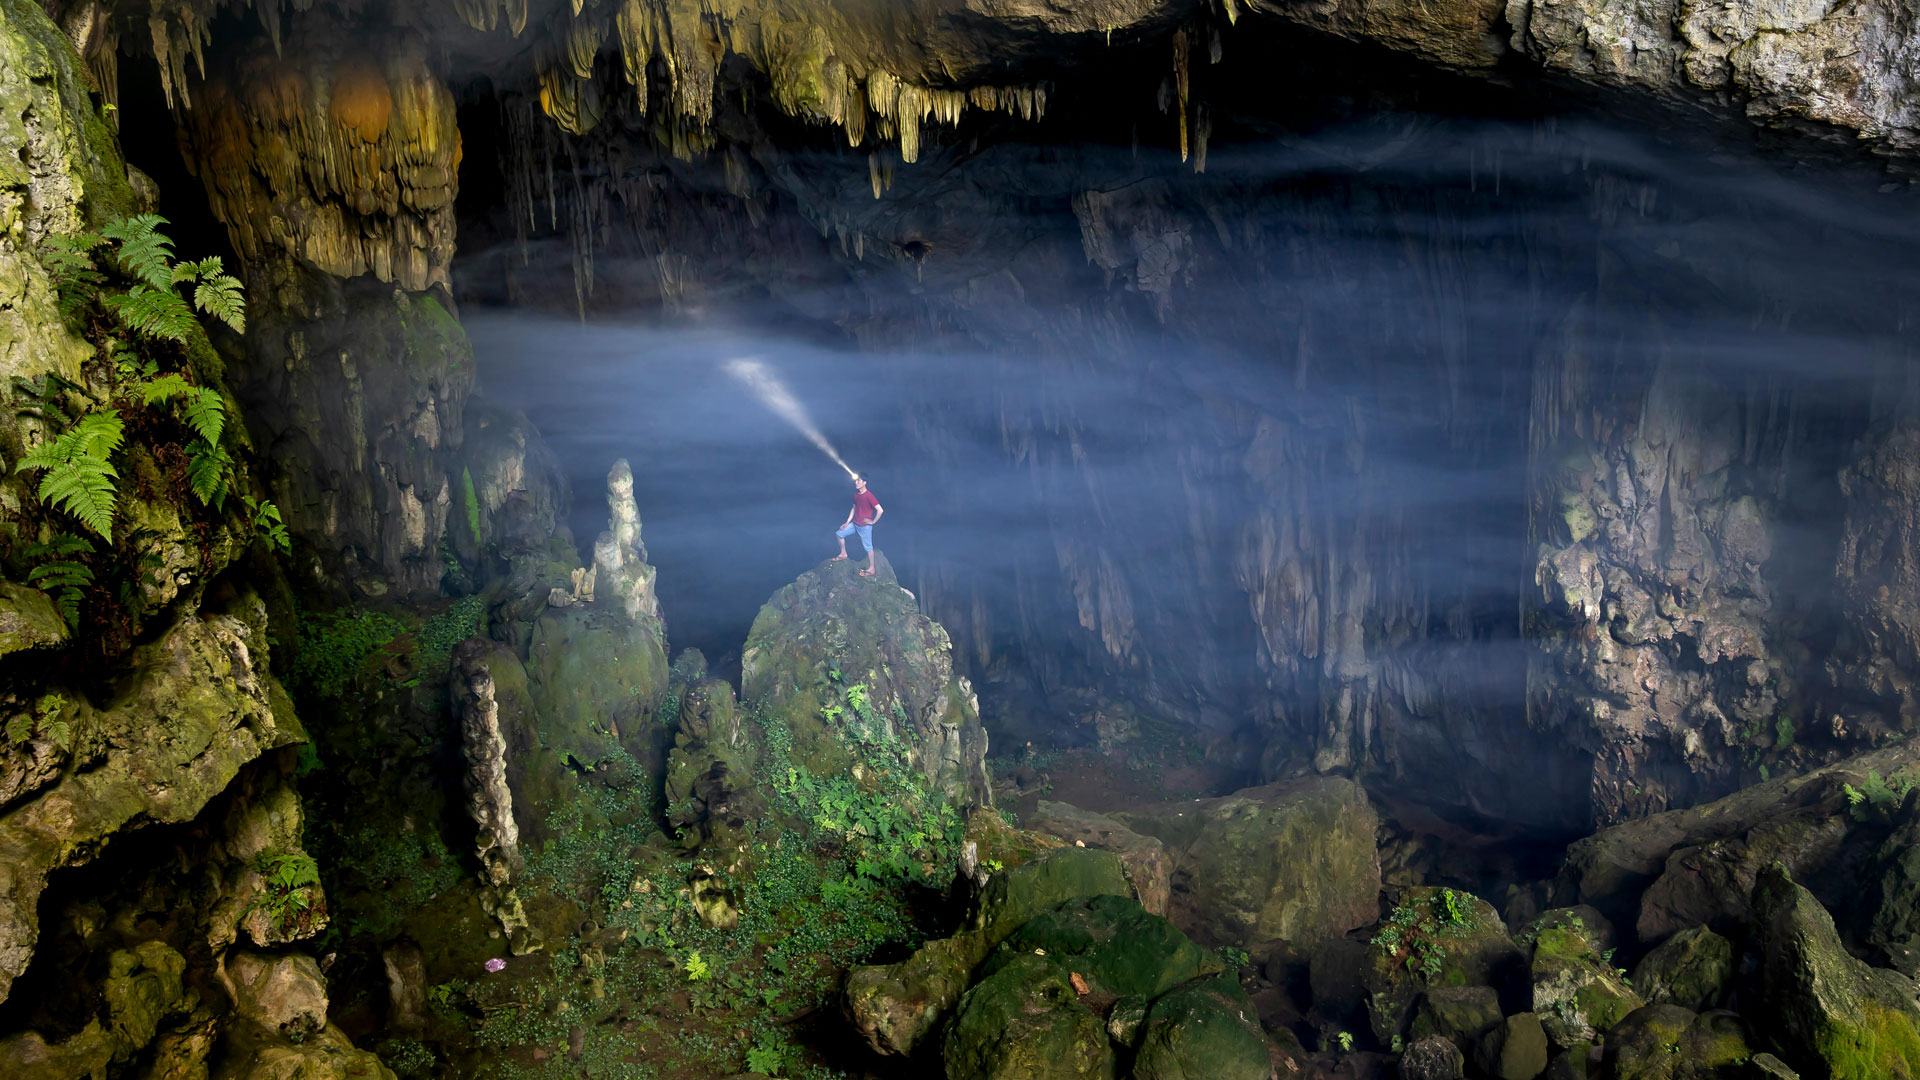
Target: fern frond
[219, 295]
[164, 388]
[61, 545]
[39, 396]
[206, 414]
[144, 251]
[207, 471]
[59, 574]
[78, 476]
[153, 311]
[69, 263]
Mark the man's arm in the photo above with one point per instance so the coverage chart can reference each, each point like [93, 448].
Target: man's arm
[849, 520]
[877, 511]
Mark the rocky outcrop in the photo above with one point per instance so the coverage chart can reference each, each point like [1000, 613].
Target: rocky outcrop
[1292, 862]
[1830, 1014]
[831, 631]
[196, 706]
[1145, 857]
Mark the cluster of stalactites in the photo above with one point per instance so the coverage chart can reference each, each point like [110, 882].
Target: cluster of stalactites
[682, 42]
[345, 160]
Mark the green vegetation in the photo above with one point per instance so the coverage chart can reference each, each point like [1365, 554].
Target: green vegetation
[43, 720]
[267, 524]
[287, 894]
[76, 476]
[471, 503]
[435, 640]
[333, 646]
[1876, 797]
[58, 575]
[1417, 931]
[150, 306]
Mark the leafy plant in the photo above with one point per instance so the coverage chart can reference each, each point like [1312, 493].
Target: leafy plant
[1418, 929]
[206, 414]
[287, 890]
[696, 967]
[267, 524]
[77, 476]
[58, 574]
[768, 1055]
[1345, 1039]
[151, 306]
[1879, 797]
[43, 720]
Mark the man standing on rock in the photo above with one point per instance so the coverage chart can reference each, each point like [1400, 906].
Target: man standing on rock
[861, 519]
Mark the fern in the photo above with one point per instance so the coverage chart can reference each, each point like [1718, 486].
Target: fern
[155, 312]
[69, 262]
[78, 477]
[144, 252]
[267, 524]
[207, 472]
[216, 292]
[165, 388]
[59, 575]
[206, 413]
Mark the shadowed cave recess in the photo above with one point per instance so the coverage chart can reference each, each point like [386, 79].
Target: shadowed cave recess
[1401, 552]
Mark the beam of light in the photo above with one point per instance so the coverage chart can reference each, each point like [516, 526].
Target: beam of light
[774, 395]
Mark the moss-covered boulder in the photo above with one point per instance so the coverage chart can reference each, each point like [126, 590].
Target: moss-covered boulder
[1289, 862]
[28, 620]
[1666, 1042]
[1436, 937]
[1691, 969]
[1114, 944]
[1025, 1022]
[1204, 1030]
[1577, 993]
[1516, 1049]
[1829, 1014]
[598, 678]
[1145, 857]
[896, 1006]
[832, 630]
[1711, 883]
[1460, 1014]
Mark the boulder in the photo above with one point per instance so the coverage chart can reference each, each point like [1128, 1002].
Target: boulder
[1432, 1058]
[1690, 969]
[1462, 1015]
[1025, 1022]
[327, 1054]
[1290, 862]
[1203, 1030]
[1436, 937]
[284, 995]
[1768, 1067]
[1336, 973]
[28, 620]
[1576, 992]
[1515, 1050]
[895, 1006]
[143, 987]
[1667, 1042]
[597, 678]
[1145, 857]
[1828, 1014]
[1711, 883]
[1891, 900]
[1114, 945]
[1584, 918]
[1125, 1020]
[710, 789]
[831, 630]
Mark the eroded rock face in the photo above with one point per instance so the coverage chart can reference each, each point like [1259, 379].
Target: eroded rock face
[195, 708]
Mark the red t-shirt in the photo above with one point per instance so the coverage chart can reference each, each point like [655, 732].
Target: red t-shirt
[864, 504]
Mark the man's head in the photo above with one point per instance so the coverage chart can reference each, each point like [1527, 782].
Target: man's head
[859, 483]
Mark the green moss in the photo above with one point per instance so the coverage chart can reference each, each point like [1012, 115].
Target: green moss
[1578, 514]
[1884, 1046]
[335, 645]
[471, 503]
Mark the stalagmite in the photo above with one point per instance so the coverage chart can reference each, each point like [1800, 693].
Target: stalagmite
[489, 799]
[619, 557]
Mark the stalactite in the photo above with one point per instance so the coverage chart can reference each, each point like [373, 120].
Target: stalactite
[1180, 84]
[346, 160]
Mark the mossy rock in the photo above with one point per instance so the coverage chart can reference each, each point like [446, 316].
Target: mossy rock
[1204, 1030]
[1290, 862]
[1667, 1042]
[896, 1006]
[869, 631]
[28, 620]
[597, 680]
[1829, 1014]
[1515, 1050]
[1431, 1058]
[711, 791]
[1025, 1022]
[1114, 944]
[1691, 969]
[998, 846]
[1474, 951]
[1576, 992]
[1460, 1014]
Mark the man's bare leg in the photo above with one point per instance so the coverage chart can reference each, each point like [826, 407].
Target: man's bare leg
[842, 557]
[868, 572]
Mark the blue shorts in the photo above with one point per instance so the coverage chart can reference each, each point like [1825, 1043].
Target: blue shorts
[865, 531]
